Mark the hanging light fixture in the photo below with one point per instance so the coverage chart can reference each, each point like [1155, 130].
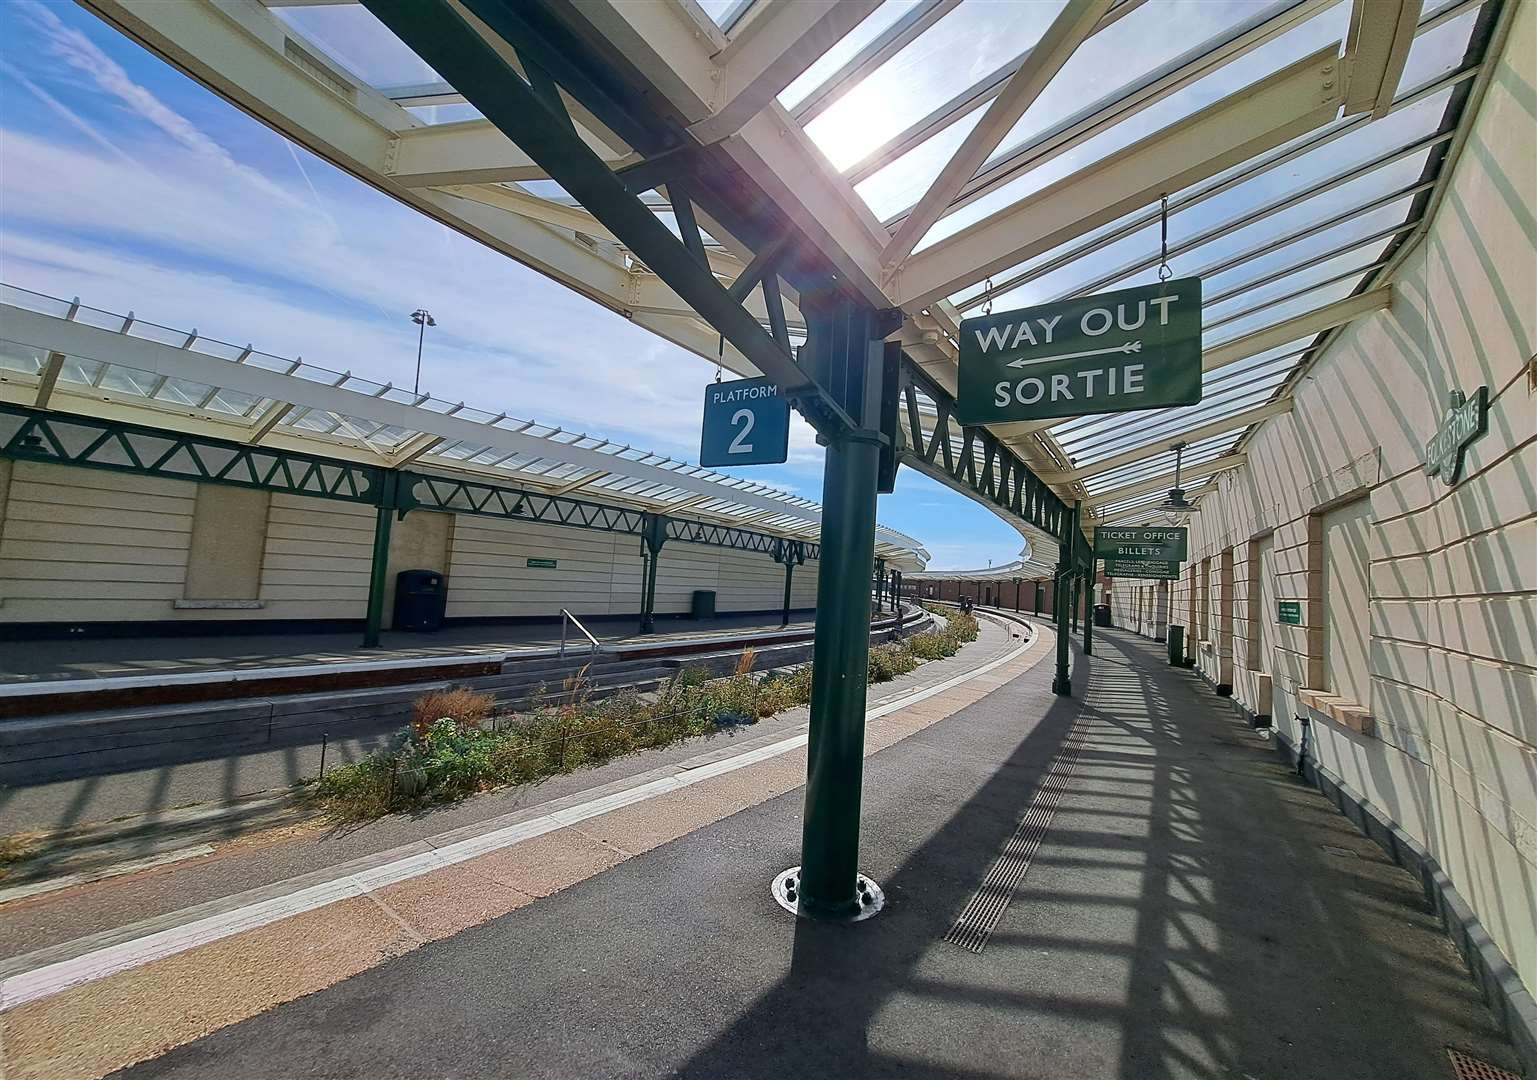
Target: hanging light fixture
[1176, 508]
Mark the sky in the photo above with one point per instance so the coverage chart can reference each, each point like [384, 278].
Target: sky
[134, 188]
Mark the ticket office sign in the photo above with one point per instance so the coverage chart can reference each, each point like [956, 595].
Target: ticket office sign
[1130, 349]
[1167, 545]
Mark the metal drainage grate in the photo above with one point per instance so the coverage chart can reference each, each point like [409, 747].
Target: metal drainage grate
[1467, 1067]
[981, 915]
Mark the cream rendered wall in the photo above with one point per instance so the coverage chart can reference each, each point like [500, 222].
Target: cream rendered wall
[1451, 752]
[80, 545]
[83, 545]
[317, 557]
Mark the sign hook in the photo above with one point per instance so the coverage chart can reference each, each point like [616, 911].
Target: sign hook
[720, 357]
[1164, 271]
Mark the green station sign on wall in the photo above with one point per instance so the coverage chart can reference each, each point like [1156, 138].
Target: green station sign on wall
[1170, 545]
[1289, 612]
[541, 564]
[1166, 569]
[1466, 419]
[1130, 349]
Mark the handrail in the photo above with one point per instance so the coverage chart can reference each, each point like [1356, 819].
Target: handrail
[566, 616]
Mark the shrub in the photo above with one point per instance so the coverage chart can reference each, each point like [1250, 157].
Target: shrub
[890, 660]
[467, 707]
[447, 753]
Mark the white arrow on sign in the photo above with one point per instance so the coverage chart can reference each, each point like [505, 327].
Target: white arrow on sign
[1129, 347]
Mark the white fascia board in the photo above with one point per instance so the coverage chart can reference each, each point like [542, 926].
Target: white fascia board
[772, 50]
[1291, 102]
[93, 343]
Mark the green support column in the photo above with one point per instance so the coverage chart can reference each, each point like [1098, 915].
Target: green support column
[880, 584]
[1088, 613]
[841, 655]
[843, 349]
[788, 550]
[1061, 599]
[1077, 599]
[651, 549]
[378, 569]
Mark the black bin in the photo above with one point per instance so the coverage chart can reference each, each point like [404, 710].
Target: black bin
[1176, 636]
[704, 604]
[420, 599]
[1101, 614]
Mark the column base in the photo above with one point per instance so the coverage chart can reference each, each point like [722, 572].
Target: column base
[868, 899]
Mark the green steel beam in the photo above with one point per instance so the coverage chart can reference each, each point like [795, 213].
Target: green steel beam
[86, 442]
[1004, 481]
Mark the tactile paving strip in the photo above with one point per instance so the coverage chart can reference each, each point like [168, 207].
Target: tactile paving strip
[986, 907]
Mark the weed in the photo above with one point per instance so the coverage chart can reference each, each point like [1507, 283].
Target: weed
[448, 753]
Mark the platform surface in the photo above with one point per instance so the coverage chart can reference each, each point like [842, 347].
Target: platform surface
[86, 658]
[1194, 910]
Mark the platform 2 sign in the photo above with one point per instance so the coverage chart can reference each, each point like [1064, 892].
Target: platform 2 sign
[1163, 569]
[1165, 545]
[746, 422]
[1130, 349]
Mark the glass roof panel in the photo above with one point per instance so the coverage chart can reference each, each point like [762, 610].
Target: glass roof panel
[844, 50]
[352, 38]
[1352, 261]
[1319, 31]
[971, 42]
[897, 186]
[1439, 51]
[1403, 127]
[445, 114]
[1358, 228]
[725, 13]
[1108, 64]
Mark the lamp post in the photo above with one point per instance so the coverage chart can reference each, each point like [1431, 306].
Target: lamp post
[423, 319]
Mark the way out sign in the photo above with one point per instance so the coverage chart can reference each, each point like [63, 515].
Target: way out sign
[1131, 349]
[746, 422]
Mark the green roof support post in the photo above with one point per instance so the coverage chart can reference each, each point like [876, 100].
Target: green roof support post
[844, 348]
[789, 552]
[1088, 611]
[880, 584]
[652, 539]
[378, 568]
[1062, 682]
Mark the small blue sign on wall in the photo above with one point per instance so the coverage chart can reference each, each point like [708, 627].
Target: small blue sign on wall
[746, 422]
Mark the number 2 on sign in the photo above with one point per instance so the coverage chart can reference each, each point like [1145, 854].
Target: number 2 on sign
[737, 445]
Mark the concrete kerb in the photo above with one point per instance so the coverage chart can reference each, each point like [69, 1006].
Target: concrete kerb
[1497, 979]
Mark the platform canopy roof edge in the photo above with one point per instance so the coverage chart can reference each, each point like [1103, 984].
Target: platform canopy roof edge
[65, 356]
